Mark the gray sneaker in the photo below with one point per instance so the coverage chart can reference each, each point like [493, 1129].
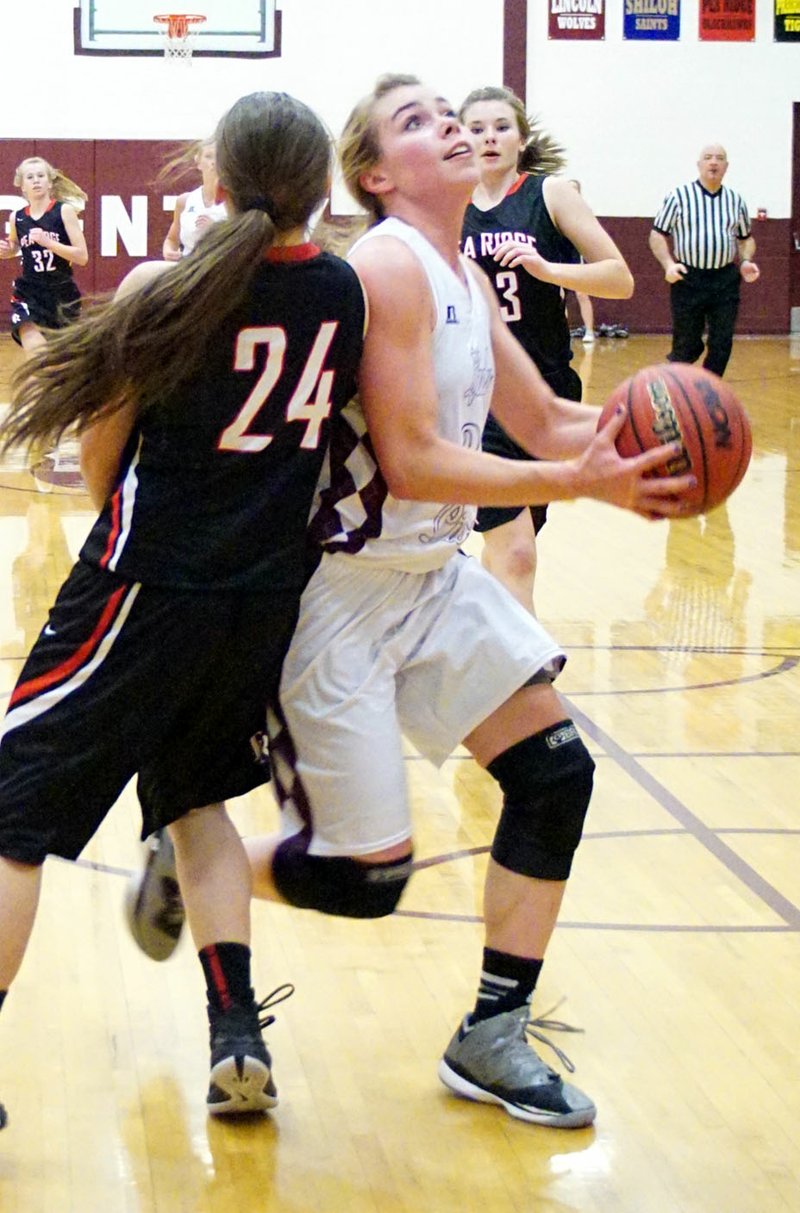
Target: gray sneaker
[492, 1062]
[153, 903]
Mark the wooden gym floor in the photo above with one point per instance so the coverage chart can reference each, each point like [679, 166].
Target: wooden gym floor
[678, 952]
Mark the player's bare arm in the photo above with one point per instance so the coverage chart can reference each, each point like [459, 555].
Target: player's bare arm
[602, 273]
[554, 428]
[102, 445]
[10, 247]
[76, 251]
[103, 442]
[398, 395]
[171, 249]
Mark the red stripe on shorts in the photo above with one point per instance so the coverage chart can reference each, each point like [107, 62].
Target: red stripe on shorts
[115, 528]
[26, 690]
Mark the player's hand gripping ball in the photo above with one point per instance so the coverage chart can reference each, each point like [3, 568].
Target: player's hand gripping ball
[678, 402]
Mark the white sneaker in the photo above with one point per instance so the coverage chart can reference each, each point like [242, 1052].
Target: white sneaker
[588, 338]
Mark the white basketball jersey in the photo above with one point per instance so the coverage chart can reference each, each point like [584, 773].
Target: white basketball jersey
[190, 233]
[355, 513]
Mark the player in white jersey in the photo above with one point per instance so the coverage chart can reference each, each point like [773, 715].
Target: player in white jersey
[195, 210]
[400, 631]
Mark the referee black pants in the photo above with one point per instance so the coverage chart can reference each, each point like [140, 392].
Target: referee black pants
[704, 301]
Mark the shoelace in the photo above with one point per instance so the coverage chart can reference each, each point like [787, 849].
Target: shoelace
[532, 1028]
[278, 995]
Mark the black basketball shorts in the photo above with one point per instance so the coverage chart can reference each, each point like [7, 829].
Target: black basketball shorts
[128, 680]
[45, 305]
[565, 383]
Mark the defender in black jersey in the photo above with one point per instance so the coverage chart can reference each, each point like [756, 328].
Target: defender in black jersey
[528, 229]
[47, 235]
[533, 309]
[206, 393]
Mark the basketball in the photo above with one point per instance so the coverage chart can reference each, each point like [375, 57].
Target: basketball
[679, 402]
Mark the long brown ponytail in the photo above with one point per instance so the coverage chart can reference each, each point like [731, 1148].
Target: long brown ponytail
[274, 160]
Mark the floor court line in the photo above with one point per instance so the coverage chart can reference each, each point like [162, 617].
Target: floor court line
[703, 834]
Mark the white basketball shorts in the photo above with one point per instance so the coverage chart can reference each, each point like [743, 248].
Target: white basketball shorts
[378, 652]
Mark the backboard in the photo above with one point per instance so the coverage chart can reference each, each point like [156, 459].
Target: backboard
[244, 28]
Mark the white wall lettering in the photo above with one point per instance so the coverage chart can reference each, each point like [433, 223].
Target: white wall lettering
[116, 222]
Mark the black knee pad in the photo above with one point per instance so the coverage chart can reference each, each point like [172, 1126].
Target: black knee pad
[335, 885]
[547, 784]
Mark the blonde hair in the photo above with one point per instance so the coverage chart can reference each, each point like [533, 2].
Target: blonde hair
[274, 162]
[540, 154]
[62, 187]
[185, 160]
[359, 149]
[338, 233]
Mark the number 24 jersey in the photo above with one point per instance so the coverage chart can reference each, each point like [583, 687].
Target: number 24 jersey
[216, 485]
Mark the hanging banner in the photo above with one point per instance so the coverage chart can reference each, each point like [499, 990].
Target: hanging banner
[727, 20]
[576, 18]
[652, 19]
[787, 20]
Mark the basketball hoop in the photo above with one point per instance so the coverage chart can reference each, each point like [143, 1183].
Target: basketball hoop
[179, 34]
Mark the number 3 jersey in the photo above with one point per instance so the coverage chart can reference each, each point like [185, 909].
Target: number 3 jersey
[533, 310]
[215, 485]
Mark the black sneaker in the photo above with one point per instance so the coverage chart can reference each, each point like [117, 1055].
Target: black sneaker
[241, 1067]
[3, 1117]
[153, 902]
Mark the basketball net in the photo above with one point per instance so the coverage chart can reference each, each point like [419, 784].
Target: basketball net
[179, 33]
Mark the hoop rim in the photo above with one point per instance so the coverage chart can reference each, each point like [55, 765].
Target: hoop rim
[189, 18]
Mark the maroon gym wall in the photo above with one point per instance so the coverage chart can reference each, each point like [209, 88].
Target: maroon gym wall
[126, 168]
[764, 304]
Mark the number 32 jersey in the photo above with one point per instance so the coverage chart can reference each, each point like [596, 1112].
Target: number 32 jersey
[216, 484]
[39, 264]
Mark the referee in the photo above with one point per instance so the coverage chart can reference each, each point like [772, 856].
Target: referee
[708, 225]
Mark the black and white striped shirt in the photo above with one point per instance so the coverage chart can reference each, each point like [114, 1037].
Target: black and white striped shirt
[704, 227]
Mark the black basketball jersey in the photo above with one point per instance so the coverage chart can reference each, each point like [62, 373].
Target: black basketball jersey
[216, 485]
[533, 310]
[41, 266]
